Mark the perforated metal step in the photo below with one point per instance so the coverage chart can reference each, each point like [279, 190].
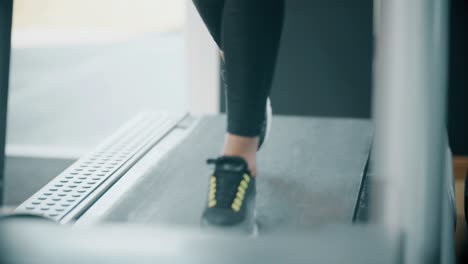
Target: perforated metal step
[75, 189]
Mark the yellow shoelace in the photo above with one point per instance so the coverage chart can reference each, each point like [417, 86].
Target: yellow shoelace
[241, 189]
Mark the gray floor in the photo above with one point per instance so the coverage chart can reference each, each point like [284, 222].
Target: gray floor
[26, 175]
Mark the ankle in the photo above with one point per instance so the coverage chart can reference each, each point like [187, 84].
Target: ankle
[244, 147]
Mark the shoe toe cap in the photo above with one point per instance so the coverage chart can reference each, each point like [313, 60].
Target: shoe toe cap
[221, 216]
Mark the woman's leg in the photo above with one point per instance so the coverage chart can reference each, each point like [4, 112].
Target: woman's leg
[250, 36]
[248, 31]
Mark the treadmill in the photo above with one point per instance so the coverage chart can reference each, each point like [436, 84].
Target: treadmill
[136, 198]
[142, 177]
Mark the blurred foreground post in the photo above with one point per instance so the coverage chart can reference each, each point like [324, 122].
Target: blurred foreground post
[409, 112]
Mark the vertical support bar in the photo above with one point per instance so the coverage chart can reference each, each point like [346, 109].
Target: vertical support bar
[409, 112]
[6, 11]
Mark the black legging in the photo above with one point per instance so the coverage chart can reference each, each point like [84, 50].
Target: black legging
[248, 32]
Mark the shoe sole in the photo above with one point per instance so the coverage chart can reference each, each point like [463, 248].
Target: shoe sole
[240, 228]
[248, 226]
[268, 122]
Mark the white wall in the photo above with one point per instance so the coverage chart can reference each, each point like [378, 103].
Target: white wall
[203, 65]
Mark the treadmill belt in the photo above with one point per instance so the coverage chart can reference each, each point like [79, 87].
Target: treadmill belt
[310, 173]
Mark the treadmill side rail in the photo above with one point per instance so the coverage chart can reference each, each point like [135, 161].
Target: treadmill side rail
[68, 195]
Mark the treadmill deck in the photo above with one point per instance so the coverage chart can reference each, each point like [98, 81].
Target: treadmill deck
[310, 173]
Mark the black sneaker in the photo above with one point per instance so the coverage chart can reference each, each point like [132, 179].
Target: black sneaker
[265, 130]
[231, 196]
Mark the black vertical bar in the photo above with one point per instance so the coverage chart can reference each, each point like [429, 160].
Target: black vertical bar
[458, 79]
[6, 13]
